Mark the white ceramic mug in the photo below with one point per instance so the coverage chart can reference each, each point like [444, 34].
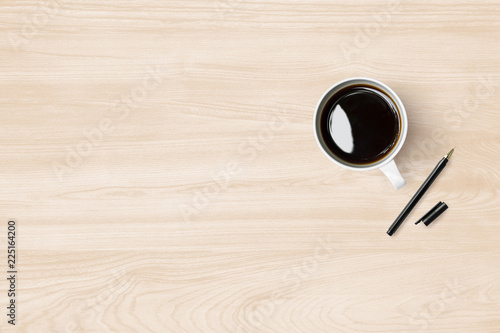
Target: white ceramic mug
[386, 164]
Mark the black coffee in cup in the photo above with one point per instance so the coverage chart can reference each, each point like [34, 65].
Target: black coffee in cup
[360, 124]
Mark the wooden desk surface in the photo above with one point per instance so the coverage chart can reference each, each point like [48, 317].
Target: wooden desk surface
[158, 158]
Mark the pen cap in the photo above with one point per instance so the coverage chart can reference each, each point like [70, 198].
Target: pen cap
[433, 214]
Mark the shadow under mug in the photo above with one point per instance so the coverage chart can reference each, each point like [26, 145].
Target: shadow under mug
[386, 164]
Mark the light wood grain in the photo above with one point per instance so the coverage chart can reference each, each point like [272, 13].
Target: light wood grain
[284, 241]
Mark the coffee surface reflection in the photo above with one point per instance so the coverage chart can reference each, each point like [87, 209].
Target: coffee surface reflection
[361, 124]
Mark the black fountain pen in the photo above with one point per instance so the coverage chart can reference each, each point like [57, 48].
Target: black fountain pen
[413, 202]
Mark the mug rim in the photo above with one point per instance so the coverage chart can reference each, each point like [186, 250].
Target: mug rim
[386, 90]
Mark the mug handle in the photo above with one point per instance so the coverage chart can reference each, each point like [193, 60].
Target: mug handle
[392, 172]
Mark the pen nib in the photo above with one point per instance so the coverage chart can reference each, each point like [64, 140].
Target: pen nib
[447, 156]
